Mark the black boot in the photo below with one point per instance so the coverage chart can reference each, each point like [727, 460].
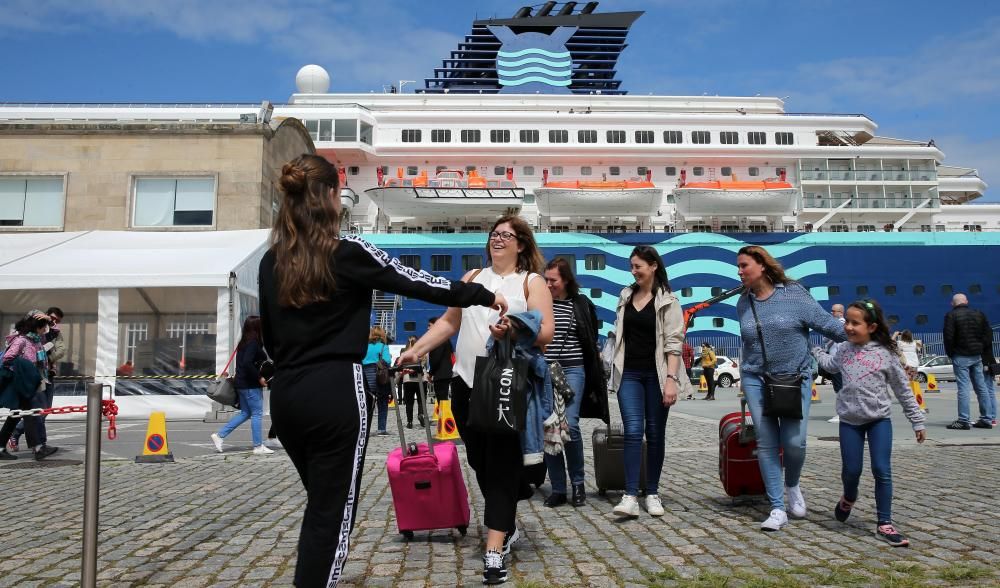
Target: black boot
[555, 499]
[579, 495]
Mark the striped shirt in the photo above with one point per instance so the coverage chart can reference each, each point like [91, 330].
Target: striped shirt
[565, 346]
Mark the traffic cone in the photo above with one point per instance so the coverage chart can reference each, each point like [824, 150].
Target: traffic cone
[436, 415]
[814, 398]
[932, 383]
[703, 385]
[918, 394]
[155, 450]
[392, 400]
[447, 429]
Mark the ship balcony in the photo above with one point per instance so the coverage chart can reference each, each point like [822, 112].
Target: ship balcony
[428, 203]
[851, 176]
[861, 203]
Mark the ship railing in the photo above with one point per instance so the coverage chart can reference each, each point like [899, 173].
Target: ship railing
[869, 202]
[432, 192]
[868, 175]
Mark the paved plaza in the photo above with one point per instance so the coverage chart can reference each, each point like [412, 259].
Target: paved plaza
[233, 519]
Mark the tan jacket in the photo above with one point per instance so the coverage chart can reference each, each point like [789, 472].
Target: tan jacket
[669, 338]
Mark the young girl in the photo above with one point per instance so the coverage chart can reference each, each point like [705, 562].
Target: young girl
[870, 366]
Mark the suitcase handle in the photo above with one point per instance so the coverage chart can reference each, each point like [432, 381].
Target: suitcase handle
[411, 449]
[748, 432]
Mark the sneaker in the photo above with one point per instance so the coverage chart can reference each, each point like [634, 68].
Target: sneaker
[834, 419]
[775, 521]
[6, 456]
[44, 451]
[959, 426]
[796, 502]
[261, 450]
[12, 445]
[842, 510]
[510, 539]
[276, 443]
[494, 568]
[653, 505]
[982, 424]
[217, 441]
[890, 535]
[628, 507]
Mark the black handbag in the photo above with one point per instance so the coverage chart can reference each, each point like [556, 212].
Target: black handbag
[782, 393]
[499, 401]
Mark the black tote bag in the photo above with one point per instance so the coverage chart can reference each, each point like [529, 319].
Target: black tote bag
[782, 393]
[499, 396]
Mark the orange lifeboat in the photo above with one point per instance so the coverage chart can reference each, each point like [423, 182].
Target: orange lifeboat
[632, 184]
[738, 185]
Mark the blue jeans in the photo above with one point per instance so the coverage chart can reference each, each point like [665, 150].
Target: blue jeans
[852, 453]
[573, 449]
[380, 392]
[252, 408]
[640, 399]
[966, 368]
[774, 433]
[41, 400]
[988, 401]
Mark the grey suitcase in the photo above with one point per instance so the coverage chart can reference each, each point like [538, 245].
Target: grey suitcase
[609, 460]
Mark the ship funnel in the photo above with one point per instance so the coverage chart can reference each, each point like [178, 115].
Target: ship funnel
[523, 12]
[567, 9]
[546, 9]
[590, 7]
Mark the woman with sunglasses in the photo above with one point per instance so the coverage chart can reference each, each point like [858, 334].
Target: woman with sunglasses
[786, 312]
[515, 267]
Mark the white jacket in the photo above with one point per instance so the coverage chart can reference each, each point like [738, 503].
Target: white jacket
[669, 338]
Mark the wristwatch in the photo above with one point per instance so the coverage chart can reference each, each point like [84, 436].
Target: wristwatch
[674, 378]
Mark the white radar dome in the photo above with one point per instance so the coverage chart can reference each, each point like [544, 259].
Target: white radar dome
[312, 79]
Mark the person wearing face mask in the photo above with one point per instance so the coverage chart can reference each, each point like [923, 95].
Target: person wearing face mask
[26, 346]
[647, 373]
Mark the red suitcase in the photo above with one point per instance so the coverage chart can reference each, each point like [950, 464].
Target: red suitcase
[428, 489]
[739, 469]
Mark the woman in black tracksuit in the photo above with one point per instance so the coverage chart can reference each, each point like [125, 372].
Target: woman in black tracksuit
[315, 301]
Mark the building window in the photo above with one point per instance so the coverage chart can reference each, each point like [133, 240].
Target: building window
[411, 170]
[558, 136]
[753, 171]
[670, 171]
[411, 135]
[410, 261]
[173, 202]
[594, 261]
[410, 326]
[641, 171]
[440, 263]
[586, 170]
[727, 171]
[596, 293]
[441, 136]
[947, 290]
[528, 170]
[499, 136]
[729, 137]
[31, 202]
[586, 136]
[833, 290]
[975, 289]
[783, 138]
[890, 290]
[698, 171]
[701, 137]
[499, 170]
[918, 290]
[528, 136]
[757, 138]
[614, 170]
[644, 137]
[862, 290]
[471, 136]
[616, 136]
[471, 262]
[921, 319]
[673, 137]
[557, 170]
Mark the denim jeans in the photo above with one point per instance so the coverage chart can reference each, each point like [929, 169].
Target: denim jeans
[774, 433]
[988, 401]
[966, 368]
[572, 454]
[381, 394]
[41, 400]
[640, 398]
[252, 408]
[852, 453]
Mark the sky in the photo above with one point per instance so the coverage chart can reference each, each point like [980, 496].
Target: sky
[921, 70]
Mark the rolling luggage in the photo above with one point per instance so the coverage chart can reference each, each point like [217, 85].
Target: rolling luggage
[739, 469]
[428, 489]
[609, 459]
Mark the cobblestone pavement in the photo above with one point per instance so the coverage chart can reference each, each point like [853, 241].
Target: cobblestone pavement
[233, 519]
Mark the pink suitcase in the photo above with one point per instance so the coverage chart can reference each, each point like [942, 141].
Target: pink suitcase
[428, 489]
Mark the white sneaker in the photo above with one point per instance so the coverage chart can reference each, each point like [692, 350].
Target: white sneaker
[261, 450]
[653, 505]
[776, 521]
[835, 419]
[218, 442]
[276, 443]
[796, 502]
[628, 507]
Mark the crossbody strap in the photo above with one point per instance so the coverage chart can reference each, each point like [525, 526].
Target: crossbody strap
[225, 369]
[760, 333]
[525, 285]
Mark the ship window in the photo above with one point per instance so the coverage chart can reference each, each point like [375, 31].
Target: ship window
[345, 130]
[440, 169]
[757, 228]
[326, 130]
[975, 289]
[366, 133]
[789, 228]
[644, 136]
[557, 170]
[586, 170]
[354, 170]
[686, 292]
[472, 229]
[673, 137]
[921, 319]
[616, 136]
[385, 171]
[642, 171]
[729, 228]
[472, 262]
[670, 198]
[778, 171]
[596, 293]
[312, 127]
[701, 137]
[470, 168]
[528, 170]
[471, 135]
[594, 261]
[727, 171]
[839, 229]
[890, 290]
[409, 135]
[729, 137]
[757, 138]
[783, 138]
[862, 290]
[528, 198]
[833, 290]
[569, 257]
[558, 136]
[946, 290]
[671, 171]
[866, 228]
[918, 290]
[159, 202]
[499, 136]
[718, 322]
[411, 170]
[716, 291]
[893, 319]
[410, 326]
[972, 228]
[925, 228]
[753, 171]
[410, 261]
[528, 136]
[441, 229]
[412, 230]
[499, 170]
[441, 136]
[586, 136]
[698, 171]
[614, 170]
[701, 229]
[440, 263]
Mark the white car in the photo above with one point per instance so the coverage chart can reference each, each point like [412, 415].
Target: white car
[727, 371]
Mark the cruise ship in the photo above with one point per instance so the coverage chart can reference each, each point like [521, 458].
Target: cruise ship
[527, 115]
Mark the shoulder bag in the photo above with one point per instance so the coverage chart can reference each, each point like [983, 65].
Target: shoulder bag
[560, 385]
[222, 389]
[381, 369]
[500, 390]
[782, 393]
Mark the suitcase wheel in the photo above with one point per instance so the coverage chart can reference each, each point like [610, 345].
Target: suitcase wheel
[408, 535]
[463, 530]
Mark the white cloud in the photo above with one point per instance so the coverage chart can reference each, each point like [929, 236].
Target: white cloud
[983, 155]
